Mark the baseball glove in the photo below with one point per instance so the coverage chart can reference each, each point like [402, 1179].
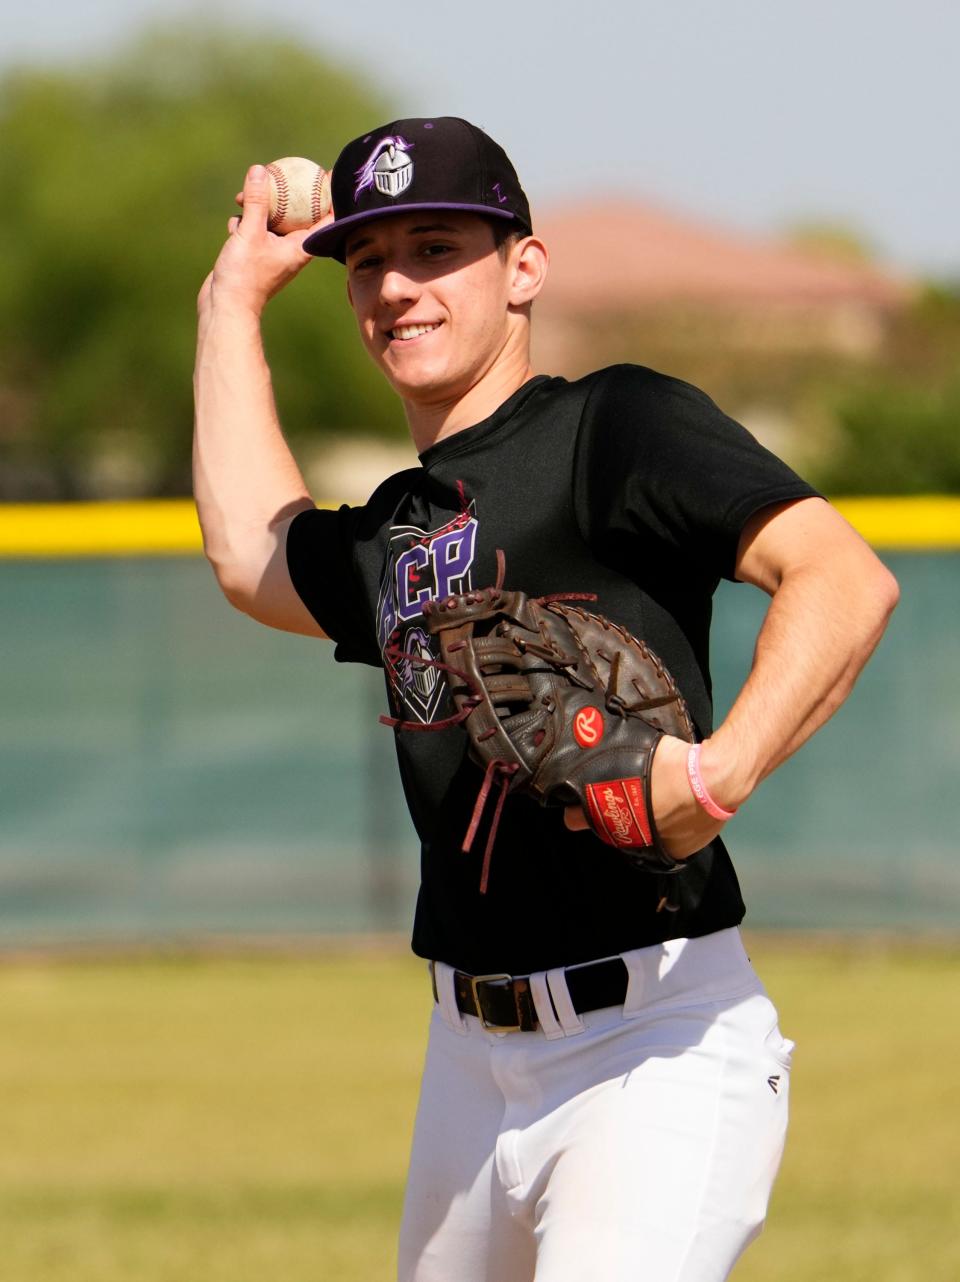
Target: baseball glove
[560, 704]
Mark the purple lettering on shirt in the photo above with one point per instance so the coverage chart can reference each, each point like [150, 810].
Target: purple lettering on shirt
[410, 597]
[452, 557]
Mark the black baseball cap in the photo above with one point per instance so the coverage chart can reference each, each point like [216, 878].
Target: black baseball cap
[438, 162]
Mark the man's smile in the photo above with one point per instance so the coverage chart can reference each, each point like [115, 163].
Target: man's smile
[404, 333]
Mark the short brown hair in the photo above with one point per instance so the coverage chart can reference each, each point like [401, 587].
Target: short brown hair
[505, 236]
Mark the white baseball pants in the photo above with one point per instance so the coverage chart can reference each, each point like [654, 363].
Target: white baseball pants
[631, 1144]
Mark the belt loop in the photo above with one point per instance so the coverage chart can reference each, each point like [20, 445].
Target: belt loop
[570, 1021]
[443, 981]
[639, 965]
[540, 993]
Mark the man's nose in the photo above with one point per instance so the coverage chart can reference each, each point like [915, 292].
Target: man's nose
[397, 287]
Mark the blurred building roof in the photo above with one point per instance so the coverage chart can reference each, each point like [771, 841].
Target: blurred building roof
[622, 254]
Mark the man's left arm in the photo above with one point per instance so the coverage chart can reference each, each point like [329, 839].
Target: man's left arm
[831, 601]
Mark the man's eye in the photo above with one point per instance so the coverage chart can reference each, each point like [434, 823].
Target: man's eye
[436, 250]
[365, 264]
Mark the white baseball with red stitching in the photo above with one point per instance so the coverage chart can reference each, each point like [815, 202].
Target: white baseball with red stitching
[299, 194]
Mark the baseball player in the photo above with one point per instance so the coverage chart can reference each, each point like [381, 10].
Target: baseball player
[605, 1089]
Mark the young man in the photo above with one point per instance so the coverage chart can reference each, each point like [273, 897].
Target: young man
[632, 1126]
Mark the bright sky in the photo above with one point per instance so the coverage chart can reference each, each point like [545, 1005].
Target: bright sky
[750, 113]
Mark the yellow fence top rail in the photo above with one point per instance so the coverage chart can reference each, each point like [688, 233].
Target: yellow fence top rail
[168, 527]
[147, 527]
[923, 522]
[155, 527]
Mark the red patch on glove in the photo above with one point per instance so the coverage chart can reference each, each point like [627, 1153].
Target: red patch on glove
[618, 812]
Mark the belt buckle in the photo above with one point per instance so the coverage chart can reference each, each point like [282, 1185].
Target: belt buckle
[494, 1028]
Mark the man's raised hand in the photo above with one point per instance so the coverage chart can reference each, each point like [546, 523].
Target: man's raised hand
[254, 263]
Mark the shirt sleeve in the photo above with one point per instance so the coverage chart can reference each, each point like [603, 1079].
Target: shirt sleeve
[659, 464]
[322, 566]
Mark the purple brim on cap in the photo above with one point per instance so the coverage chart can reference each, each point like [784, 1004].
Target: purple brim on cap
[328, 241]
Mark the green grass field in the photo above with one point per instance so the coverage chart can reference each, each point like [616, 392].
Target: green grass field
[210, 1119]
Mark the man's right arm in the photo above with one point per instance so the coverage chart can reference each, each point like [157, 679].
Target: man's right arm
[247, 485]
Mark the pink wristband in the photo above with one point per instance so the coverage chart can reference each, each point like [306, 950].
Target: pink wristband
[699, 788]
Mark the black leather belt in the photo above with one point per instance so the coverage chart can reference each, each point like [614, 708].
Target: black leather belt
[504, 1004]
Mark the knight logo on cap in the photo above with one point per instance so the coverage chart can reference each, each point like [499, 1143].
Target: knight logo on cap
[388, 169]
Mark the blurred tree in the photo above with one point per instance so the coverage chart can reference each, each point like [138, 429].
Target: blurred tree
[895, 439]
[896, 429]
[118, 180]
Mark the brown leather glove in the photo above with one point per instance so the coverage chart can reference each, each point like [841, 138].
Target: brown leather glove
[563, 705]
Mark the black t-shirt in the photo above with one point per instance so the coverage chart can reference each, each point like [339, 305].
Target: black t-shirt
[627, 484]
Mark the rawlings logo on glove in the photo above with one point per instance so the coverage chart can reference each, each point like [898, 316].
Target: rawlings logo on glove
[618, 813]
[560, 704]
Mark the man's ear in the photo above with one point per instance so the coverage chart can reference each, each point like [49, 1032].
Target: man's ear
[529, 261]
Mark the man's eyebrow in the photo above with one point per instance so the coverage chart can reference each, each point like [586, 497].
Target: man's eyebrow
[427, 227]
[353, 245]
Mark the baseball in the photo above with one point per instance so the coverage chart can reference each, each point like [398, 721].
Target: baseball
[299, 194]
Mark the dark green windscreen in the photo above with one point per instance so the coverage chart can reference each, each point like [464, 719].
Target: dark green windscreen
[169, 768]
